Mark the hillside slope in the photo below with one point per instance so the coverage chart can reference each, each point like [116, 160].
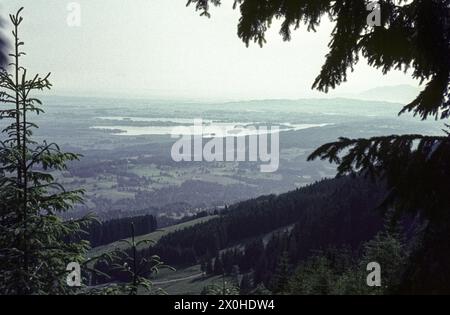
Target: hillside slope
[253, 235]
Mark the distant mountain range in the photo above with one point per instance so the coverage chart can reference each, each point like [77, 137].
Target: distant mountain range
[397, 93]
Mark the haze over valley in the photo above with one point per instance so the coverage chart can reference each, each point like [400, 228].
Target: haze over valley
[127, 168]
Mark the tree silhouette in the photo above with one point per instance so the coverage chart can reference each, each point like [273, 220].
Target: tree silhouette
[34, 250]
[127, 270]
[413, 35]
[137, 266]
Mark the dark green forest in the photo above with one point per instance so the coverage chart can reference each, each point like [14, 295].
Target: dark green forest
[336, 221]
[102, 233]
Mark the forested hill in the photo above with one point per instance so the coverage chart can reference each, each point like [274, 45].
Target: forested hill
[254, 234]
[113, 230]
[330, 212]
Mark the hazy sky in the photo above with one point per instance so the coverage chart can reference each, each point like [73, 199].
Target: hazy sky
[161, 48]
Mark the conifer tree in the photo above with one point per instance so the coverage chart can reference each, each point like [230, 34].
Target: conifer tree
[415, 36]
[138, 267]
[282, 273]
[34, 251]
[389, 250]
[130, 268]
